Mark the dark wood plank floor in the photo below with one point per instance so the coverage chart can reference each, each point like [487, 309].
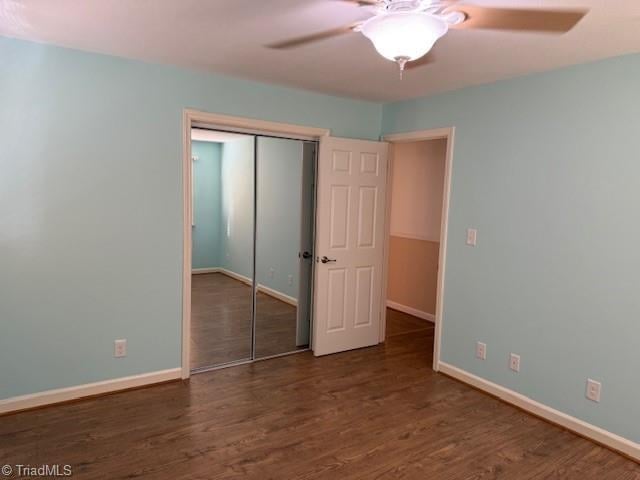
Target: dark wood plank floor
[399, 323]
[221, 322]
[374, 413]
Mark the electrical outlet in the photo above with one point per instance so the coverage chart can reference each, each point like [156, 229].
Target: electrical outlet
[481, 351]
[593, 390]
[514, 362]
[120, 348]
[290, 280]
[472, 237]
[271, 272]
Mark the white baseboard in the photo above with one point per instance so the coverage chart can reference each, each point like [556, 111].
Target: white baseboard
[582, 428]
[236, 276]
[413, 236]
[411, 311]
[278, 295]
[58, 395]
[196, 271]
[261, 288]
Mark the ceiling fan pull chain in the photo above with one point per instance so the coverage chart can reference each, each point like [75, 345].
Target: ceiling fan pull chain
[401, 61]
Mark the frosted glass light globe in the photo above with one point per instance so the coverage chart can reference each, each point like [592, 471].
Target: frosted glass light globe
[404, 35]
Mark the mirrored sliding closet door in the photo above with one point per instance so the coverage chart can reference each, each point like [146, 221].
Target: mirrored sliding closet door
[284, 245]
[223, 192]
[252, 247]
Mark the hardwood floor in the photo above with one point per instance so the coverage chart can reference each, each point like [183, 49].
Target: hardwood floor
[374, 413]
[221, 322]
[399, 323]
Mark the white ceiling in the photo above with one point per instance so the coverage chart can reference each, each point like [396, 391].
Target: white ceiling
[227, 36]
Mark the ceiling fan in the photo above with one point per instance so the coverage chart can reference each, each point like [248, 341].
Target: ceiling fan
[404, 31]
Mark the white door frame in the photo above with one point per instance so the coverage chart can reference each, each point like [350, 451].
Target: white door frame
[434, 134]
[224, 122]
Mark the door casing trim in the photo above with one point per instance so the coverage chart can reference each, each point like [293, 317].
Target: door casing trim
[191, 118]
[447, 133]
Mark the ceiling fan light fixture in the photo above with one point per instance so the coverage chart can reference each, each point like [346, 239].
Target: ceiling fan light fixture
[404, 35]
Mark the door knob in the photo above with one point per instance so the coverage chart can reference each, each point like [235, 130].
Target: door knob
[326, 259]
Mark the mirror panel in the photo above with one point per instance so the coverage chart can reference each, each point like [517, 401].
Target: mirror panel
[223, 243]
[284, 232]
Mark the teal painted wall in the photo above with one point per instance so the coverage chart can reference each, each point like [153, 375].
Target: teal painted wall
[546, 168]
[91, 205]
[279, 213]
[207, 204]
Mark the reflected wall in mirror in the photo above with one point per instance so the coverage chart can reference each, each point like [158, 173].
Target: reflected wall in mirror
[284, 244]
[222, 248]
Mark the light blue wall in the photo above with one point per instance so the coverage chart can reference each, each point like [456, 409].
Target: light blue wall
[91, 205]
[279, 213]
[207, 204]
[547, 168]
[238, 180]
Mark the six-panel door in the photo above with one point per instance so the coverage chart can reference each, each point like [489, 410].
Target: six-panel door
[352, 178]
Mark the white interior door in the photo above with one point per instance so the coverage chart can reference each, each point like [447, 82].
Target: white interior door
[351, 176]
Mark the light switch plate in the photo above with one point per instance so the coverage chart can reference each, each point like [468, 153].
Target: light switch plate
[472, 237]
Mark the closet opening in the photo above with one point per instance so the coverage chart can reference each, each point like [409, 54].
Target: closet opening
[252, 240]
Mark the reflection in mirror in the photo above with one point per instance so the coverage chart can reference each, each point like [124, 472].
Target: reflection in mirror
[222, 247]
[284, 245]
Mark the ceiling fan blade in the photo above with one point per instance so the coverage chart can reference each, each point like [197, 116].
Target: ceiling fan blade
[532, 20]
[427, 59]
[314, 37]
[363, 3]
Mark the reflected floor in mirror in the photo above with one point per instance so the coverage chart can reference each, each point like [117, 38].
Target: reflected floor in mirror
[275, 327]
[221, 322]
